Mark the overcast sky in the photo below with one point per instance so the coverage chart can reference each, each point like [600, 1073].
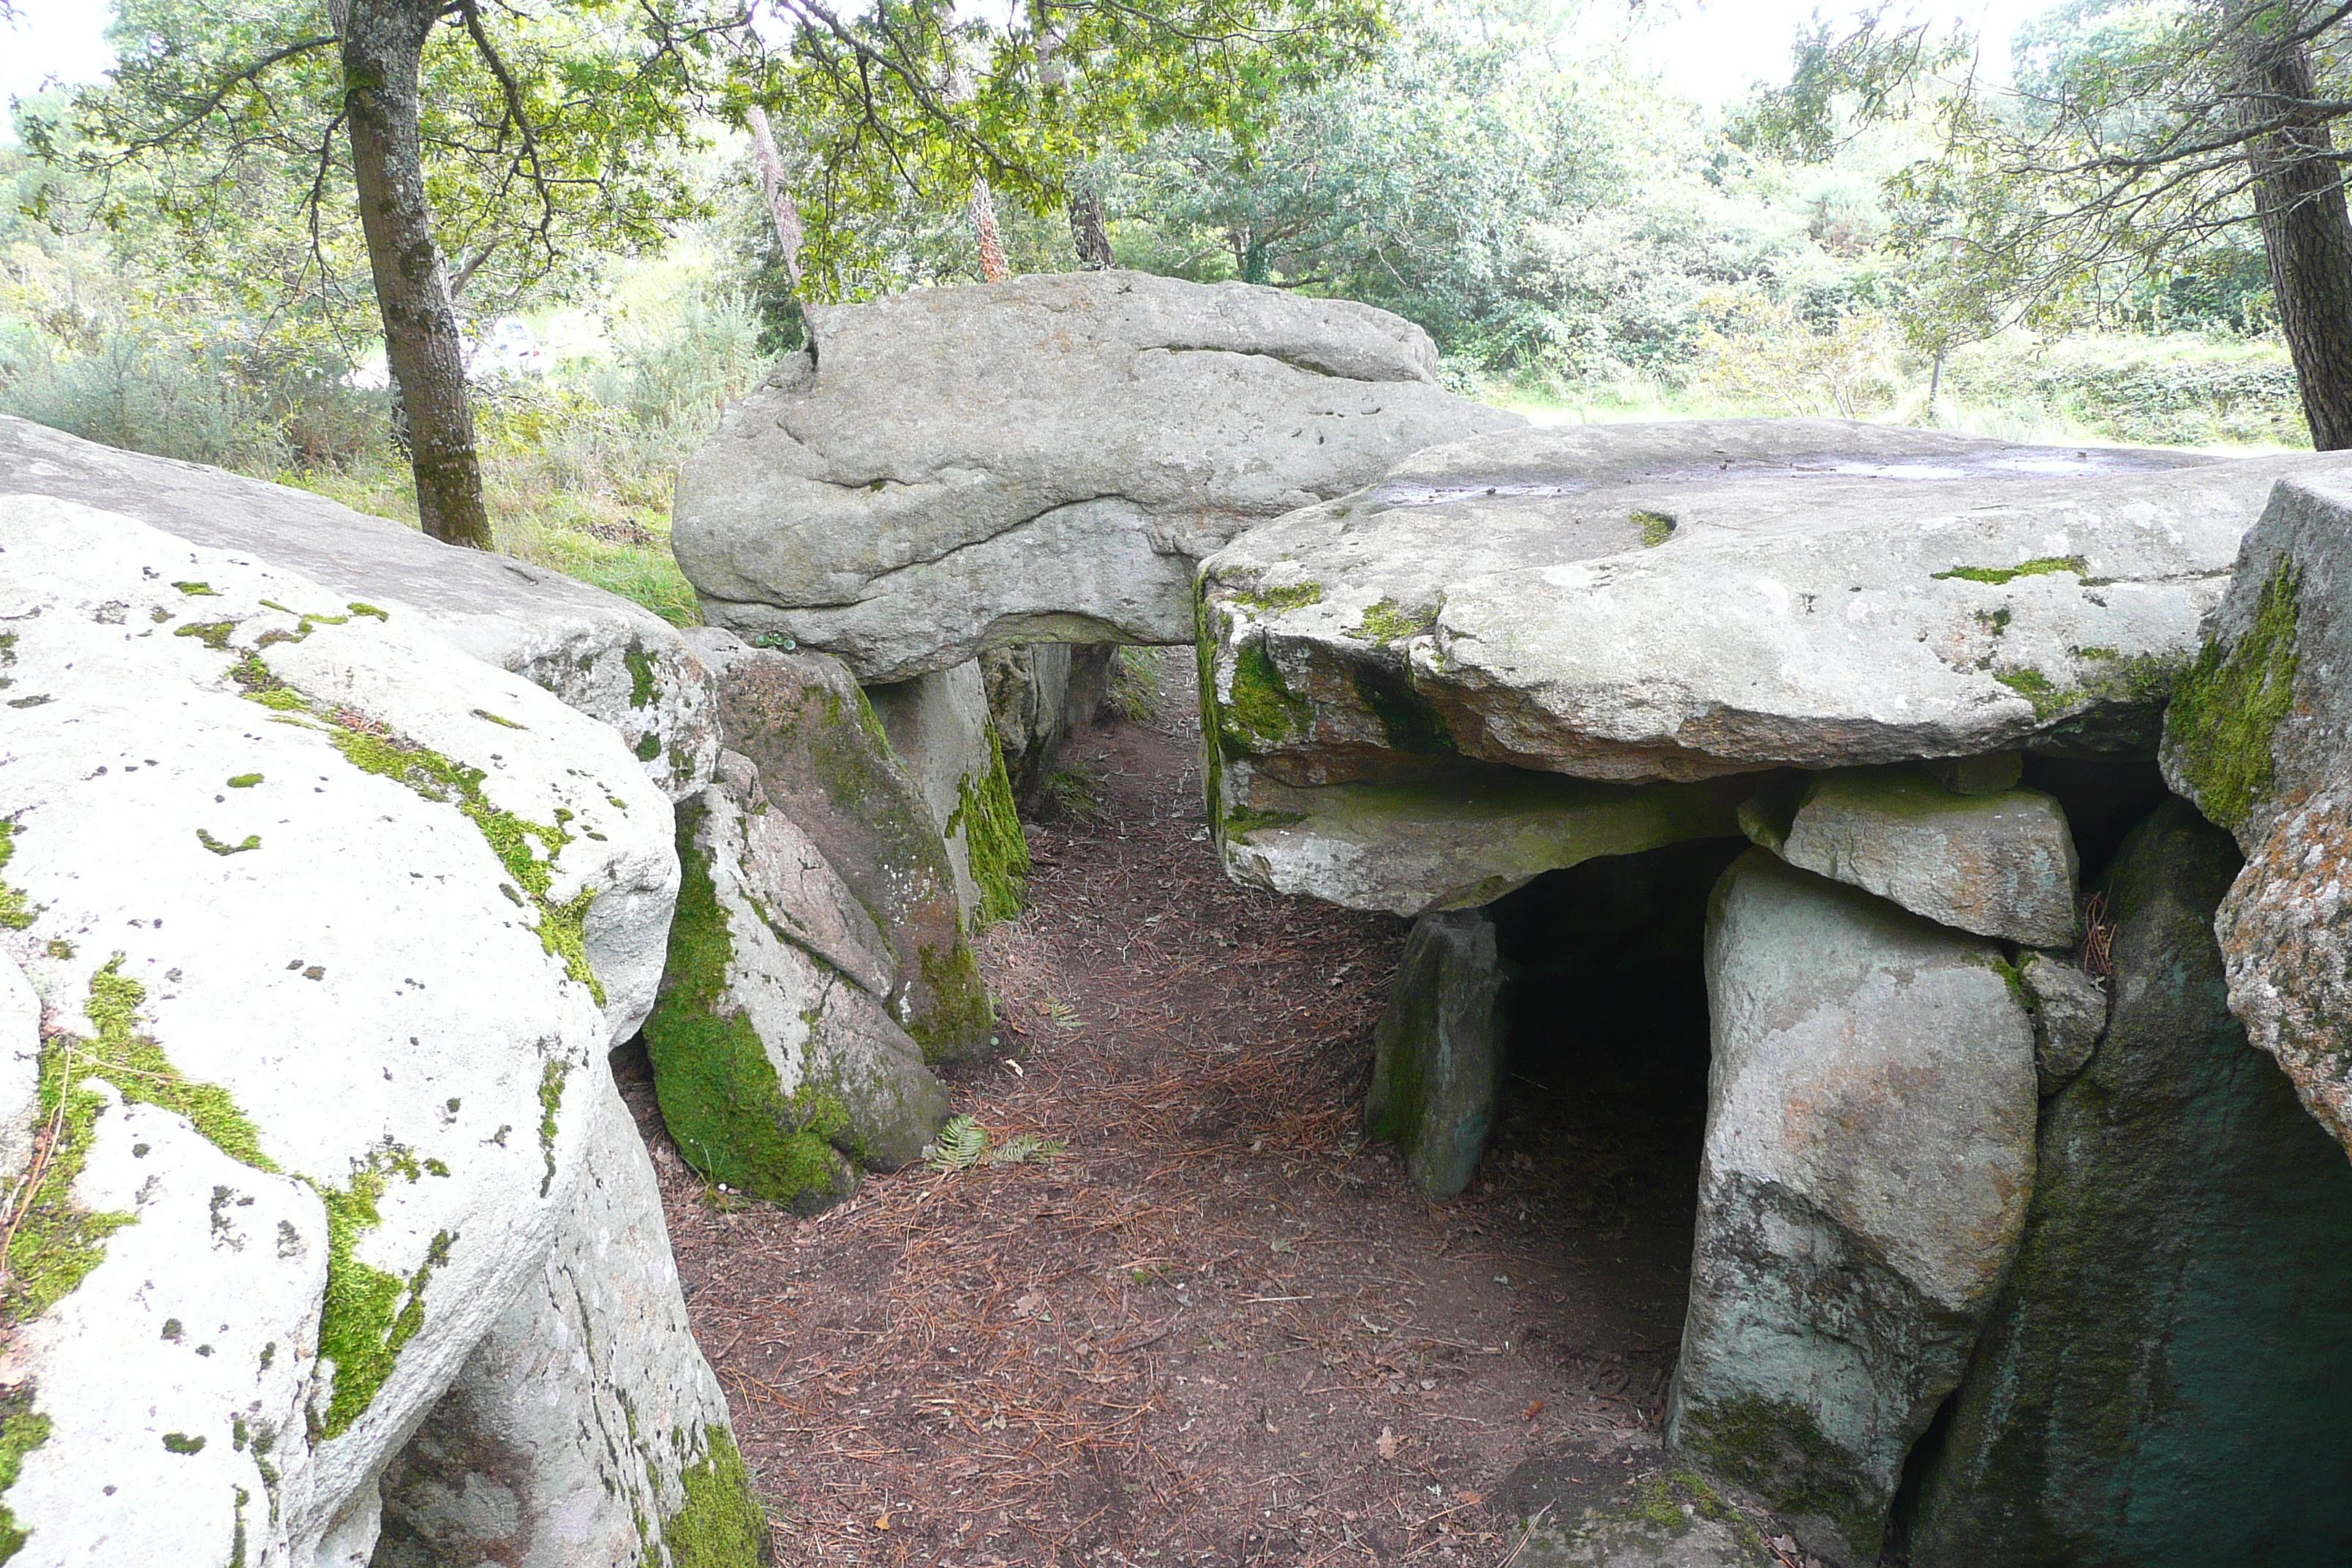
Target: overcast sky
[1713, 49]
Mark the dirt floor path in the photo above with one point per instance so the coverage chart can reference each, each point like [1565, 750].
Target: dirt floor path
[1218, 1327]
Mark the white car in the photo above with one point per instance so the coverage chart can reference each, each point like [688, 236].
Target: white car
[509, 348]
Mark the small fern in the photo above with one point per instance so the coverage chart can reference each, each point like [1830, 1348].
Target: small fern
[963, 1145]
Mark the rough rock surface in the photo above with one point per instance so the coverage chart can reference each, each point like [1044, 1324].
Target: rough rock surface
[2260, 737]
[601, 653]
[821, 759]
[1679, 601]
[332, 922]
[2070, 1014]
[1869, 1152]
[776, 1060]
[1040, 694]
[1046, 460]
[1437, 1065]
[1996, 864]
[20, 1062]
[1659, 1520]
[1451, 837]
[2178, 1325]
[941, 727]
[587, 1413]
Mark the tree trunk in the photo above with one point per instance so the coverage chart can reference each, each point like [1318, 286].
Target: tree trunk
[383, 42]
[992, 269]
[782, 209]
[1090, 232]
[2306, 231]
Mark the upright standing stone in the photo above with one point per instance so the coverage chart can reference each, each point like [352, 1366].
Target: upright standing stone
[1869, 1149]
[2258, 737]
[1438, 1052]
[824, 761]
[940, 725]
[2166, 1376]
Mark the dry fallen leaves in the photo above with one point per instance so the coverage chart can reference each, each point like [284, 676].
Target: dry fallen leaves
[1388, 1444]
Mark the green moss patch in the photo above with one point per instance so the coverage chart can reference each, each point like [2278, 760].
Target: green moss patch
[641, 676]
[16, 910]
[1656, 527]
[21, 1432]
[1775, 1450]
[1407, 719]
[1258, 710]
[2041, 567]
[722, 1524]
[954, 1026]
[2035, 688]
[2227, 706]
[563, 927]
[1386, 621]
[993, 839]
[198, 590]
[551, 1101]
[365, 1325]
[720, 1097]
[252, 841]
[1297, 596]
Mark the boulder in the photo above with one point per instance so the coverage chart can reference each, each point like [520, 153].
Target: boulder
[1045, 459]
[1636, 603]
[778, 1065]
[821, 759]
[2168, 1359]
[597, 652]
[1438, 1053]
[586, 1413]
[2069, 1016]
[2260, 737]
[1996, 864]
[1652, 1518]
[1041, 694]
[1453, 835]
[1869, 1152]
[939, 726]
[333, 927]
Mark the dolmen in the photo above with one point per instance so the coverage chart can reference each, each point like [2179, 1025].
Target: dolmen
[1998, 1209]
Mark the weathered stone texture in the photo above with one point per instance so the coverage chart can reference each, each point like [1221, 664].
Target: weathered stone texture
[2260, 738]
[597, 652]
[2167, 1362]
[1869, 1152]
[1046, 460]
[823, 761]
[1438, 1053]
[1996, 864]
[941, 727]
[332, 924]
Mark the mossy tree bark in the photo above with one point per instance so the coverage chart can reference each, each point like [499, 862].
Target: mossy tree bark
[384, 45]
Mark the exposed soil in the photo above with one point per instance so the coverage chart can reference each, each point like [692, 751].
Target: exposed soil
[1219, 1327]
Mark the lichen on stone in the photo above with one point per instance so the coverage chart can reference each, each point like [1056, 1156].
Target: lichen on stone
[1258, 710]
[1291, 596]
[1777, 1450]
[2227, 706]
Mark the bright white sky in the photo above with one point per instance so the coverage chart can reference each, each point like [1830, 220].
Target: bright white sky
[1711, 50]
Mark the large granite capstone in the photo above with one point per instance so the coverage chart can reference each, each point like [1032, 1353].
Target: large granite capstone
[1649, 604]
[1046, 460]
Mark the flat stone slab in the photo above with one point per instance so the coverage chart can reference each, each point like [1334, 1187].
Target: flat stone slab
[1452, 838]
[1998, 864]
[1046, 460]
[1681, 601]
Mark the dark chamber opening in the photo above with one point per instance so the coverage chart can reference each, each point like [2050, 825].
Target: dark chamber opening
[1604, 1097]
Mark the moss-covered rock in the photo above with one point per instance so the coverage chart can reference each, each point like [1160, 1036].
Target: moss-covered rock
[1437, 1065]
[2167, 1360]
[775, 1069]
[824, 761]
